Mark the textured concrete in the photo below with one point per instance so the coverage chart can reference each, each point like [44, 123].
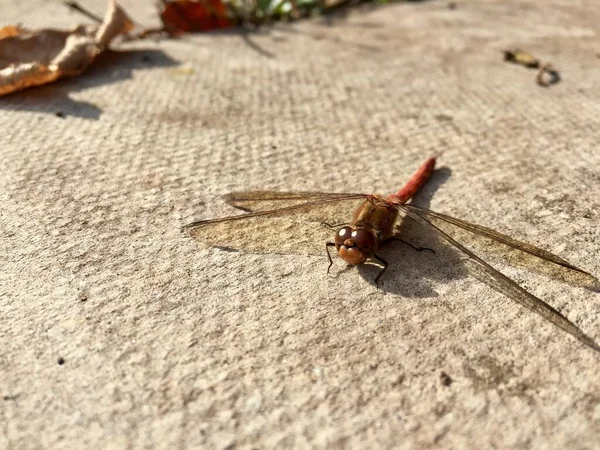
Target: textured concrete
[168, 343]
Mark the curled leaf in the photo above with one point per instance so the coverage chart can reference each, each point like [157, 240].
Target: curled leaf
[547, 76]
[31, 58]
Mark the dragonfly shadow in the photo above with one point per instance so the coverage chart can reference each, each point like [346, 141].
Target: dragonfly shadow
[413, 272]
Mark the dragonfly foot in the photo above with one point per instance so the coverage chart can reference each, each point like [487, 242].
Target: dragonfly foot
[385, 266]
[419, 249]
[327, 245]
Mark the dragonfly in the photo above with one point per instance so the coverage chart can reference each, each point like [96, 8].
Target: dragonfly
[302, 223]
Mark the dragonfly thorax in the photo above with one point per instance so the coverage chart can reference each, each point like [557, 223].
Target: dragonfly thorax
[355, 245]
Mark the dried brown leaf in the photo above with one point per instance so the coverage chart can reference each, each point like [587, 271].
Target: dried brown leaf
[115, 22]
[31, 58]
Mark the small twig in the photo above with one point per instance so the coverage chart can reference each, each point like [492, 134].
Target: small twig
[295, 13]
[77, 7]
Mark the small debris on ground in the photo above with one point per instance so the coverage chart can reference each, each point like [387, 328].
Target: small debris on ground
[521, 57]
[546, 76]
[184, 69]
[446, 379]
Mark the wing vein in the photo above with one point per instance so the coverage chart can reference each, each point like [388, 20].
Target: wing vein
[271, 212]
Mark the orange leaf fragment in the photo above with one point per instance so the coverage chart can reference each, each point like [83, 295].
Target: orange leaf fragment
[9, 31]
[184, 16]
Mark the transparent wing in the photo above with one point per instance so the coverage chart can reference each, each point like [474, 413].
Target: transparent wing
[516, 252]
[498, 281]
[268, 200]
[297, 226]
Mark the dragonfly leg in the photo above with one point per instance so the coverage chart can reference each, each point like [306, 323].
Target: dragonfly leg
[419, 249]
[334, 226]
[385, 266]
[327, 245]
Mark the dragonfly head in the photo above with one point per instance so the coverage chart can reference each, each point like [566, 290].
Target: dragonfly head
[355, 246]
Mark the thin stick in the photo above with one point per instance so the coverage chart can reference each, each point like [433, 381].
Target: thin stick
[77, 7]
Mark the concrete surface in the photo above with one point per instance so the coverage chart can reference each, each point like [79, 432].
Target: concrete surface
[167, 343]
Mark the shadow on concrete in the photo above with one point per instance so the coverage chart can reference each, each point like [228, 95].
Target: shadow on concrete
[110, 67]
[411, 273]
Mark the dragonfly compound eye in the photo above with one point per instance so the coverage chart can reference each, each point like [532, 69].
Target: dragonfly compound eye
[355, 246]
[341, 236]
[364, 240]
